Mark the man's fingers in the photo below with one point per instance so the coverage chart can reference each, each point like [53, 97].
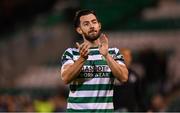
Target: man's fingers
[86, 53]
[106, 38]
[103, 39]
[78, 45]
[85, 48]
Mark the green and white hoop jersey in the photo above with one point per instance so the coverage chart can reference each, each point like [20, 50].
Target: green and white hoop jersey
[92, 90]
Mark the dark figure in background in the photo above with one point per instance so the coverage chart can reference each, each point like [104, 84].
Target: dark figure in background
[128, 96]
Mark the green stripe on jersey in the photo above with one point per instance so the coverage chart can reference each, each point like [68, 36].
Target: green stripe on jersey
[75, 53]
[112, 52]
[68, 54]
[95, 62]
[94, 52]
[90, 99]
[95, 68]
[91, 110]
[86, 87]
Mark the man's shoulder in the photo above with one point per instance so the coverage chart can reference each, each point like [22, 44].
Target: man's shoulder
[70, 52]
[113, 48]
[71, 49]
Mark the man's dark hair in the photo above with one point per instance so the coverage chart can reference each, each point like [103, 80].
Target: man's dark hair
[82, 13]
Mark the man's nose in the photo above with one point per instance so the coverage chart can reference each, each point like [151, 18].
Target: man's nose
[91, 26]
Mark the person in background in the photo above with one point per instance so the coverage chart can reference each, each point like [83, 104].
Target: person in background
[128, 96]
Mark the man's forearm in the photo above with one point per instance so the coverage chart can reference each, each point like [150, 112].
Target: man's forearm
[72, 71]
[119, 71]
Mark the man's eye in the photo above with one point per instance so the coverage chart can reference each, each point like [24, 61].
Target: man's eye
[85, 24]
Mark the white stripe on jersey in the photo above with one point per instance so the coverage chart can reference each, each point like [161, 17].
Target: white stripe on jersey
[97, 93]
[90, 57]
[82, 106]
[93, 81]
[121, 63]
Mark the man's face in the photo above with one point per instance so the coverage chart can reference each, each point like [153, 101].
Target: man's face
[90, 27]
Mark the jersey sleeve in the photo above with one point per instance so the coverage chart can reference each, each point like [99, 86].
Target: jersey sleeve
[119, 57]
[67, 57]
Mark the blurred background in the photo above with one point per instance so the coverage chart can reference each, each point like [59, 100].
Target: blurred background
[35, 33]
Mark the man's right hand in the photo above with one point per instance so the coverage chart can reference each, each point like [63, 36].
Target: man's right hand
[70, 71]
[83, 49]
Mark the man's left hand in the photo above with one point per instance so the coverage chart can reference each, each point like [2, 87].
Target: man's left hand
[103, 47]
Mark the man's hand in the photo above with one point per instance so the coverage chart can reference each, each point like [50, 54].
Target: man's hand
[70, 71]
[118, 70]
[103, 47]
[83, 49]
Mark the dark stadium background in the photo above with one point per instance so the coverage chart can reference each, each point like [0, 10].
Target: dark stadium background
[35, 33]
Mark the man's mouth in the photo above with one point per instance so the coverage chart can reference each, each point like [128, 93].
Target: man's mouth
[92, 32]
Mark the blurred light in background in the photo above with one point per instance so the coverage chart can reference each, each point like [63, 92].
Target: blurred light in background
[35, 33]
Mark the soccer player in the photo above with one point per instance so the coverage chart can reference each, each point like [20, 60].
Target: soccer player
[90, 68]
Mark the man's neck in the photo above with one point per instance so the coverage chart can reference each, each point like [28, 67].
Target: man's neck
[95, 43]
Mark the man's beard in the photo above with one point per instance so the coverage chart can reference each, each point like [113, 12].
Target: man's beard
[91, 37]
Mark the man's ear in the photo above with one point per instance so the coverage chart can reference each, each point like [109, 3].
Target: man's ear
[78, 29]
[99, 25]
